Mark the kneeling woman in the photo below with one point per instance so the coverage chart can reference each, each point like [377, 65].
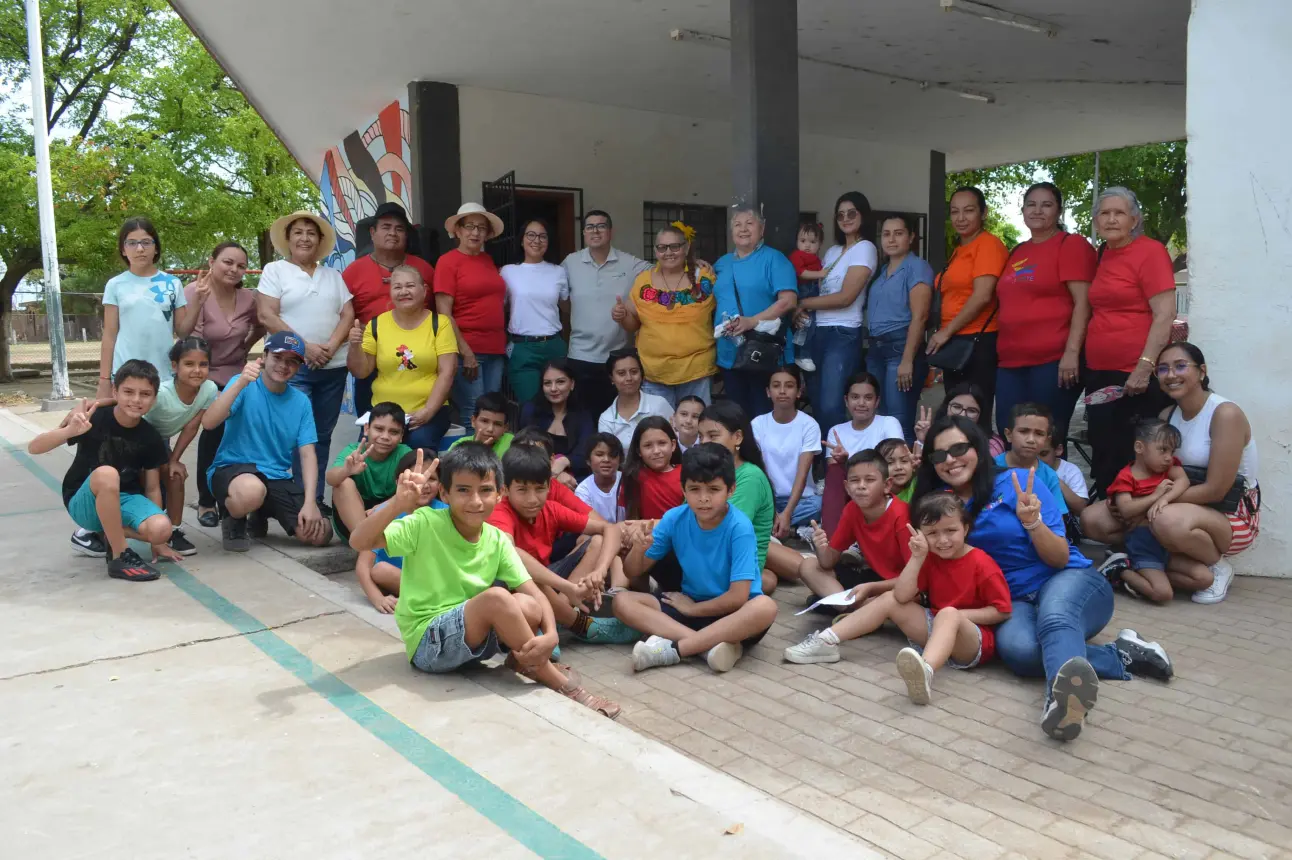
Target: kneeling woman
[1059, 599]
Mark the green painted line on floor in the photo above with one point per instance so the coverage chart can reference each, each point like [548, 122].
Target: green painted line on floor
[509, 814]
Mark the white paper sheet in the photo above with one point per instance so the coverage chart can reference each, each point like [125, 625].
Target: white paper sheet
[839, 599]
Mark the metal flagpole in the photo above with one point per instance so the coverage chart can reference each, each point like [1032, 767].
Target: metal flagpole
[45, 198]
[1094, 201]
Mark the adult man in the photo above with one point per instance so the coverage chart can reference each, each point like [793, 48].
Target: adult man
[268, 421]
[598, 275]
[368, 278]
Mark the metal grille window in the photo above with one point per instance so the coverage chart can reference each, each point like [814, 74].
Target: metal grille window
[710, 223]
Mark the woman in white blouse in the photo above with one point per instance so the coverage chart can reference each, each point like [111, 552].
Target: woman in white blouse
[538, 295]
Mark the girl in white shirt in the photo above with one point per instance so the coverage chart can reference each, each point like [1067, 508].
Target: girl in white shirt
[600, 490]
[789, 440]
[536, 292]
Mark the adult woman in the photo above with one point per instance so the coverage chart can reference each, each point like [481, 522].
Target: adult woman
[537, 291]
[555, 409]
[968, 288]
[228, 322]
[1132, 306]
[897, 307]
[631, 404]
[1044, 296]
[836, 344]
[789, 439]
[1059, 599]
[470, 292]
[962, 401]
[301, 295]
[670, 307]
[755, 284]
[415, 355]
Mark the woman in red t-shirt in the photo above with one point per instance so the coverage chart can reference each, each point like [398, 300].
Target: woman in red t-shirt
[1132, 304]
[1044, 296]
[471, 293]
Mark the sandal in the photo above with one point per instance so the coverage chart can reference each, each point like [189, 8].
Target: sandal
[600, 704]
[208, 519]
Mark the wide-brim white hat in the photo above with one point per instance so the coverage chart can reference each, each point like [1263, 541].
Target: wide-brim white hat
[278, 233]
[451, 223]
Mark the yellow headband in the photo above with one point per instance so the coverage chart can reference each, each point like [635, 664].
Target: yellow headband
[687, 232]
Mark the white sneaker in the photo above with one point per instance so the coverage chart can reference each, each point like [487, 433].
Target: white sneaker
[1214, 593]
[813, 649]
[807, 365]
[653, 652]
[723, 656]
[917, 674]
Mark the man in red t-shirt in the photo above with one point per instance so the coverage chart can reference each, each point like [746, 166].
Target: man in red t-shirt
[368, 278]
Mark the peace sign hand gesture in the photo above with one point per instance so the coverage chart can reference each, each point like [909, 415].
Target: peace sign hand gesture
[203, 285]
[1029, 504]
[837, 451]
[78, 420]
[918, 544]
[923, 421]
[413, 483]
[356, 462]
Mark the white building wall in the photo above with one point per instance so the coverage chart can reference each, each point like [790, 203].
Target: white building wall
[1240, 236]
[622, 157]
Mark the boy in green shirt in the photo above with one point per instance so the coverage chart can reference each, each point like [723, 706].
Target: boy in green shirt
[490, 424]
[450, 613]
[363, 474]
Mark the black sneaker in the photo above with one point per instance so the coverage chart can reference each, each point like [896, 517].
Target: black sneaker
[180, 543]
[1141, 657]
[326, 510]
[130, 567]
[1073, 696]
[233, 534]
[257, 524]
[1114, 566]
[90, 544]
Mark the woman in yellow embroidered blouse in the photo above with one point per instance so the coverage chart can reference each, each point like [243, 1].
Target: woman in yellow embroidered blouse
[670, 307]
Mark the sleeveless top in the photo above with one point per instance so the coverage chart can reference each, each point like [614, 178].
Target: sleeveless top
[1195, 436]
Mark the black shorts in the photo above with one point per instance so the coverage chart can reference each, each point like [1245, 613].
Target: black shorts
[566, 566]
[696, 623]
[283, 498]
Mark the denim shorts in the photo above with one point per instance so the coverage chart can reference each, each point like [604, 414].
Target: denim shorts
[135, 509]
[951, 661]
[444, 644]
[1145, 551]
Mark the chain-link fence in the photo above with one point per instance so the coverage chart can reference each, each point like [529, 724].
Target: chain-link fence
[28, 337]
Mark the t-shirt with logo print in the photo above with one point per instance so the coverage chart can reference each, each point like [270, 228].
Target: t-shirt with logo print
[146, 309]
[130, 450]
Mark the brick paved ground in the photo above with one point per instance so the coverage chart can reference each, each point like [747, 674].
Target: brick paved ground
[1199, 768]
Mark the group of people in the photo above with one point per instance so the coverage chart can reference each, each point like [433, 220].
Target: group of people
[623, 497]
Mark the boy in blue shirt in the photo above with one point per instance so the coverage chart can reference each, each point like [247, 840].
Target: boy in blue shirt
[1031, 431]
[721, 607]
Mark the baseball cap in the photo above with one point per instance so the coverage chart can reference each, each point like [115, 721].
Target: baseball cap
[391, 209]
[285, 341]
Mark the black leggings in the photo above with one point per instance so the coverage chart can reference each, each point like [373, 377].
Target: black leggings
[981, 371]
[208, 442]
[1111, 426]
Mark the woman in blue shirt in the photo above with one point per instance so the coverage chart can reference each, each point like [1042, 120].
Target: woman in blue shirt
[897, 307]
[1060, 600]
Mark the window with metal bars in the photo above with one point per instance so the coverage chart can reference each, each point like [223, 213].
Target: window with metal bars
[710, 223]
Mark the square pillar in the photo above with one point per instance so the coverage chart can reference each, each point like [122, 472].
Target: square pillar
[765, 113]
[437, 158]
[935, 251]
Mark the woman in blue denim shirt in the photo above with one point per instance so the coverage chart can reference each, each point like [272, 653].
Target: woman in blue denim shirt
[897, 307]
[1060, 600]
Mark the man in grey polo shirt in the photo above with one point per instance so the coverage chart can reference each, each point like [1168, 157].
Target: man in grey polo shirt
[598, 275]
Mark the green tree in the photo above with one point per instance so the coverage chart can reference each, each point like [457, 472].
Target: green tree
[998, 185]
[188, 151]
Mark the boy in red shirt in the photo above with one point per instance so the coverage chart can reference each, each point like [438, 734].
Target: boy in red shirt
[966, 594]
[806, 259]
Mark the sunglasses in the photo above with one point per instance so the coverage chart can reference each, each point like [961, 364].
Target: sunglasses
[941, 455]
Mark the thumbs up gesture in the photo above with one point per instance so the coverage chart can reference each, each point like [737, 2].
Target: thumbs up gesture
[820, 540]
[620, 311]
[356, 334]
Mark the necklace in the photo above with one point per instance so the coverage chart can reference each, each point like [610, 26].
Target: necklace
[671, 287]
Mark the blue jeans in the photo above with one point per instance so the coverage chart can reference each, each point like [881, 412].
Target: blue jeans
[1036, 384]
[489, 379]
[837, 353]
[808, 509]
[430, 433]
[674, 393]
[325, 388]
[1051, 626]
[444, 644]
[747, 389]
[882, 359]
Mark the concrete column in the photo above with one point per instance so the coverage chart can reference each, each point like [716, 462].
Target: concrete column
[765, 113]
[1240, 236]
[437, 155]
[936, 251]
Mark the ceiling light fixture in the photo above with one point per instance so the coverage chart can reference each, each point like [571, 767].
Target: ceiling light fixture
[988, 12]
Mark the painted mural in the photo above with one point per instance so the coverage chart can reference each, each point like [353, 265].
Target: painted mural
[370, 167]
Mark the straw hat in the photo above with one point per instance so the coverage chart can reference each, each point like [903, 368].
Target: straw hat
[278, 233]
[451, 223]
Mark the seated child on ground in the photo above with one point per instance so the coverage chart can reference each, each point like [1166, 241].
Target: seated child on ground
[686, 421]
[651, 484]
[1140, 491]
[600, 490]
[489, 424]
[450, 610]
[1076, 495]
[364, 474]
[966, 594]
[377, 570]
[560, 463]
[113, 486]
[901, 468]
[1030, 431]
[720, 608]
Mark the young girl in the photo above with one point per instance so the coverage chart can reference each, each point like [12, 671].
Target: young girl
[901, 468]
[556, 410]
[652, 482]
[631, 404]
[600, 490]
[806, 258]
[789, 440]
[965, 400]
[686, 421]
[865, 429]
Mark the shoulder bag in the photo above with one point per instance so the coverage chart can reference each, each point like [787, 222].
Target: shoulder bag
[759, 352]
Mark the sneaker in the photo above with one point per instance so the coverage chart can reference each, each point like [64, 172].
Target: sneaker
[804, 533]
[130, 567]
[1072, 697]
[807, 365]
[1214, 593]
[653, 652]
[1141, 657]
[233, 534]
[609, 631]
[813, 649]
[1114, 566]
[180, 543]
[1129, 589]
[917, 674]
[90, 544]
[325, 509]
[723, 656]
[257, 524]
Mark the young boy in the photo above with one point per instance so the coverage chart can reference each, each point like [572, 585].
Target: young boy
[806, 260]
[1031, 430]
[561, 470]
[377, 570]
[364, 474]
[901, 468]
[1140, 491]
[966, 593]
[686, 421]
[489, 424]
[873, 520]
[450, 612]
[113, 486]
[600, 490]
[1076, 495]
[721, 608]
[534, 523]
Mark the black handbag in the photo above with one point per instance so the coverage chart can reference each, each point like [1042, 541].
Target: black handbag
[759, 352]
[956, 353]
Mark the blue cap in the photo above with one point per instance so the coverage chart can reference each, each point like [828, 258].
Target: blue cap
[285, 341]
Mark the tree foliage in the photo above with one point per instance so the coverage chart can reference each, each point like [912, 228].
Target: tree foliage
[997, 184]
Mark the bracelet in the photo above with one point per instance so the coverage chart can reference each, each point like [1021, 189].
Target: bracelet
[1033, 524]
[1150, 361]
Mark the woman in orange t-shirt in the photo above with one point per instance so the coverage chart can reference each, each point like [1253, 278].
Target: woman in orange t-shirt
[968, 288]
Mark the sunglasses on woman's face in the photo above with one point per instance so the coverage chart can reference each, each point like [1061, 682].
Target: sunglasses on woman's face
[941, 455]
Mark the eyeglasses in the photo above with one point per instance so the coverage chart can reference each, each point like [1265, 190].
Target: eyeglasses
[1180, 368]
[475, 228]
[846, 215]
[967, 411]
[595, 228]
[941, 455]
[534, 237]
[140, 243]
[662, 247]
